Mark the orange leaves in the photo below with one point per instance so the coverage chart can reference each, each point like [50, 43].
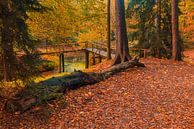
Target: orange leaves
[158, 96]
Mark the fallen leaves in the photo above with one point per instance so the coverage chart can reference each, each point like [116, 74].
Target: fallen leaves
[158, 96]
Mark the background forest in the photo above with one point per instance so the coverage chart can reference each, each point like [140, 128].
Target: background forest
[86, 21]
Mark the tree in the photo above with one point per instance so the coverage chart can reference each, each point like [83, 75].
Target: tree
[87, 19]
[158, 26]
[186, 22]
[108, 31]
[15, 37]
[176, 46]
[93, 24]
[53, 25]
[152, 29]
[122, 48]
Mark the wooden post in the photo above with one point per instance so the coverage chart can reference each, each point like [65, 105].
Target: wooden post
[99, 56]
[93, 55]
[145, 53]
[86, 59]
[63, 62]
[93, 58]
[92, 47]
[60, 63]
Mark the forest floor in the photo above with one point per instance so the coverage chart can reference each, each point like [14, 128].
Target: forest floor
[189, 54]
[156, 97]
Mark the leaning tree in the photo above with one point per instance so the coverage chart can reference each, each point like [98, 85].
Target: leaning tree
[122, 48]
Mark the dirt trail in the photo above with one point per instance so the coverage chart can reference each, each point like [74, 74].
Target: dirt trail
[156, 97]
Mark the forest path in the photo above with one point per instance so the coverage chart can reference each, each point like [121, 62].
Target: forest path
[158, 96]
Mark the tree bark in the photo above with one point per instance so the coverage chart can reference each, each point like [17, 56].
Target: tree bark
[7, 39]
[158, 27]
[122, 48]
[108, 32]
[176, 44]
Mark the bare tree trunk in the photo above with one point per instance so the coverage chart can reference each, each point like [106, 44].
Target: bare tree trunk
[108, 32]
[122, 48]
[176, 46]
[158, 27]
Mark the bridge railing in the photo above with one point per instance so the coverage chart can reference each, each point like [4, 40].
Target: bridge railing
[98, 46]
[45, 48]
[102, 46]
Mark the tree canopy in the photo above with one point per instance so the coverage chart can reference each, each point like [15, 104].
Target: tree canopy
[80, 20]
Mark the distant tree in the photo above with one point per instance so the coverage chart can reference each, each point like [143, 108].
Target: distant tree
[152, 26]
[186, 21]
[176, 44]
[54, 25]
[93, 24]
[108, 31]
[84, 21]
[15, 37]
[158, 27]
[122, 48]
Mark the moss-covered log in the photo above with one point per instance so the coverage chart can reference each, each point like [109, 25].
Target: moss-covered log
[55, 87]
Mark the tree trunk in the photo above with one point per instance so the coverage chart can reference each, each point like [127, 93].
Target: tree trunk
[108, 32]
[122, 48]
[7, 53]
[55, 87]
[7, 39]
[176, 46]
[158, 27]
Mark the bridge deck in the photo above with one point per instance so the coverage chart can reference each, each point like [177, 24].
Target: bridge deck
[100, 52]
[58, 52]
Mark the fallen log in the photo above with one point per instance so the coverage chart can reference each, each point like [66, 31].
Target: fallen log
[54, 88]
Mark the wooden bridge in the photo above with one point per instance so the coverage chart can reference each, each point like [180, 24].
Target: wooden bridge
[98, 50]
[59, 48]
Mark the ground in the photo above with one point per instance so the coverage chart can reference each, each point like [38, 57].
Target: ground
[189, 54]
[156, 97]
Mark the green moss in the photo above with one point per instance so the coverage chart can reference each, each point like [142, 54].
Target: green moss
[49, 96]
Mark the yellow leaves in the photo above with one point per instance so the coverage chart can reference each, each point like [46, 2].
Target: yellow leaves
[67, 17]
[186, 20]
[90, 36]
[57, 23]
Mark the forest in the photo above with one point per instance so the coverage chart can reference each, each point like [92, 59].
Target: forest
[96, 64]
